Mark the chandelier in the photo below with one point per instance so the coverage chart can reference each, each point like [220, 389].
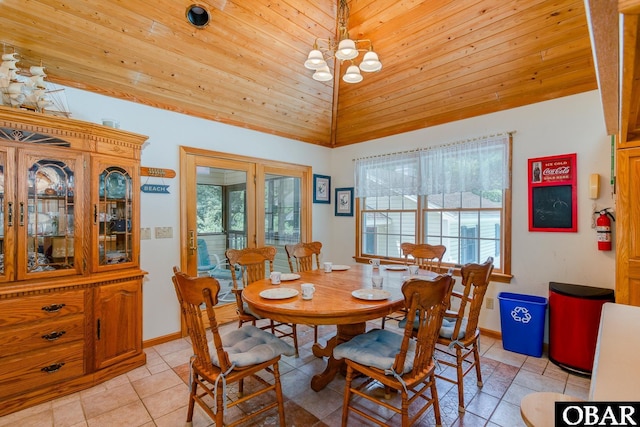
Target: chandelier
[345, 49]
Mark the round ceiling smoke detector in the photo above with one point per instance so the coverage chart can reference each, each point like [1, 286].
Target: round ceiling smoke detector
[198, 16]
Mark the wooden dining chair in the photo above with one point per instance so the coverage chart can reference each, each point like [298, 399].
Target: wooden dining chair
[400, 362]
[459, 335]
[301, 255]
[427, 257]
[228, 359]
[252, 263]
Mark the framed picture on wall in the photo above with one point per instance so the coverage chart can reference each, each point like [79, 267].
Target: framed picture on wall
[321, 189]
[344, 201]
[553, 204]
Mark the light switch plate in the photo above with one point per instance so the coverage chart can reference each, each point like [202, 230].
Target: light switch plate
[164, 232]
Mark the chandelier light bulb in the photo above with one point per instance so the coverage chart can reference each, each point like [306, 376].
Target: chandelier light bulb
[346, 50]
[315, 60]
[370, 62]
[322, 74]
[352, 75]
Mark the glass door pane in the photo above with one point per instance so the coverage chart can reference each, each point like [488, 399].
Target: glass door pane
[221, 222]
[47, 215]
[114, 216]
[236, 219]
[221, 208]
[282, 217]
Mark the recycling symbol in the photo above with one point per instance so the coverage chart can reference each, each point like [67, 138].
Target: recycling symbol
[521, 314]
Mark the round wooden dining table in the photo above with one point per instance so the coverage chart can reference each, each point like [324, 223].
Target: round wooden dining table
[332, 304]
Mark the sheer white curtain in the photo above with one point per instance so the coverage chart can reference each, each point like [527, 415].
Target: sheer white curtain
[476, 165]
[388, 175]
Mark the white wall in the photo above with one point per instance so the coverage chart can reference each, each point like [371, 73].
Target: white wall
[567, 125]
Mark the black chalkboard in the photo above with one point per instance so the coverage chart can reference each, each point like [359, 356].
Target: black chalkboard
[552, 206]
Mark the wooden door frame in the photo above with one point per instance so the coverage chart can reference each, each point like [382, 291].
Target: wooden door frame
[189, 157]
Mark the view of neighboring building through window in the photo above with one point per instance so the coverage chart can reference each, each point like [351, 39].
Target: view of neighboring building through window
[467, 224]
[455, 195]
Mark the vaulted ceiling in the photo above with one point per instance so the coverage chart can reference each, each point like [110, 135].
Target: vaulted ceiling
[443, 60]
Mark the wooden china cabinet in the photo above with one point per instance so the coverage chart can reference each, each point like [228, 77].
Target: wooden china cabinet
[70, 277]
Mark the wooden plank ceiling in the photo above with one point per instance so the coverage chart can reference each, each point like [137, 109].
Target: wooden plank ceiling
[442, 60]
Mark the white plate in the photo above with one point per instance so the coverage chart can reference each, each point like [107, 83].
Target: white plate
[340, 267]
[371, 294]
[396, 267]
[279, 293]
[47, 177]
[289, 276]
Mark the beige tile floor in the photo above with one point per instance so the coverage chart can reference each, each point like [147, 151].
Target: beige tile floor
[156, 394]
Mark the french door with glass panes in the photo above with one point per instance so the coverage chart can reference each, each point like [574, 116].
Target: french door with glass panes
[236, 202]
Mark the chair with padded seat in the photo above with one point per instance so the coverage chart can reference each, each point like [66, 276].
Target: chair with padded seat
[427, 257]
[401, 362]
[252, 264]
[228, 359]
[302, 256]
[461, 322]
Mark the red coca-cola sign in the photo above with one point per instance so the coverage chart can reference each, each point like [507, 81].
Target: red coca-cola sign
[552, 193]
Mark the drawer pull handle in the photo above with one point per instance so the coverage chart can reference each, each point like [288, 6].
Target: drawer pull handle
[52, 368]
[54, 335]
[53, 308]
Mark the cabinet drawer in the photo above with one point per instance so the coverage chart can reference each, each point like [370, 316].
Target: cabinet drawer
[24, 371]
[41, 335]
[53, 305]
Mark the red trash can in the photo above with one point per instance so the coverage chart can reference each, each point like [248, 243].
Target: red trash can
[574, 319]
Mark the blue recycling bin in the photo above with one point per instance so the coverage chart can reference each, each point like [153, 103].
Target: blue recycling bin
[522, 319]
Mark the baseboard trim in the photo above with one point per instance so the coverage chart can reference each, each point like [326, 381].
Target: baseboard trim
[497, 335]
[491, 334]
[161, 340]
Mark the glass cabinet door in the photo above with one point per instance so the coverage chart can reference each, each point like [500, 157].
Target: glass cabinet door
[47, 215]
[114, 215]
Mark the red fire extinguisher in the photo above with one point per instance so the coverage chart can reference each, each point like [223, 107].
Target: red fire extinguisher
[603, 228]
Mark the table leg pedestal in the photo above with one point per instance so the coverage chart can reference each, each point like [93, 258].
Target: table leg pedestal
[344, 334]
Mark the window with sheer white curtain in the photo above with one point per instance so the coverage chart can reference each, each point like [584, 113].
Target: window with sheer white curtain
[456, 194]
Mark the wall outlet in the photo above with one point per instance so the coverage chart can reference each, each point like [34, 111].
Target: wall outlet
[489, 303]
[145, 233]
